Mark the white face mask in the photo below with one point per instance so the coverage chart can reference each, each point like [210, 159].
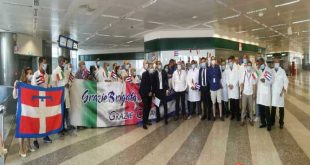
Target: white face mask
[151, 70]
[249, 68]
[179, 67]
[203, 65]
[262, 67]
[193, 66]
[159, 67]
[44, 67]
[223, 67]
[29, 77]
[213, 62]
[166, 70]
[245, 60]
[127, 66]
[69, 69]
[276, 65]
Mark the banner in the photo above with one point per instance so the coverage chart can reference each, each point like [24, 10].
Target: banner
[106, 104]
[39, 111]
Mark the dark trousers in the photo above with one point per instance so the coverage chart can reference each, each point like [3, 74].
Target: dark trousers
[234, 108]
[147, 102]
[180, 96]
[192, 107]
[65, 119]
[264, 112]
[225, 108]
[273, 115]
[161, 94]
[206, 101]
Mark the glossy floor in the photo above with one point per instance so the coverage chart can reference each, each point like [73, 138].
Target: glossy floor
[188, 142]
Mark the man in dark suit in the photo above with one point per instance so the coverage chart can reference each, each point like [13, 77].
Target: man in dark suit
[146, 91]
[161, 87]
[205, 90]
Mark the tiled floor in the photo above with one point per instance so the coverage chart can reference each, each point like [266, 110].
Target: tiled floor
[188, 142]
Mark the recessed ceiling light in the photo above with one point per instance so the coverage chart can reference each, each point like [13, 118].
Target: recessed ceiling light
[256, 11]
[195, 17]
[158, 23]
[278, 25]
[257, 29]
[211, 21]
[110, 16]
[135, 19]
[287, 3]
[242, 31]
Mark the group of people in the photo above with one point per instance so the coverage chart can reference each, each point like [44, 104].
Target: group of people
[217, 88]
[214, 88]
[61, 76]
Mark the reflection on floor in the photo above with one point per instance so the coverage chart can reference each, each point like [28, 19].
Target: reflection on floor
[187, 142]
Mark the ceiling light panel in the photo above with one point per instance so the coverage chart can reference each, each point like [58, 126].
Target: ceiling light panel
[287, 3]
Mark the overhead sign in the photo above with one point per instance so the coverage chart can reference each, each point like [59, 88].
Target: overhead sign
[66, 42]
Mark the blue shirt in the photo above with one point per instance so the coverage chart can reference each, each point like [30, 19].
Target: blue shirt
[214, 77]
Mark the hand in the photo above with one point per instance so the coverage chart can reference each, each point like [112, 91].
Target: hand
[282, 92]
[150, 94]
[231, 87]
[193, 88]
[67, 85]
[167, 92]
[262, 80]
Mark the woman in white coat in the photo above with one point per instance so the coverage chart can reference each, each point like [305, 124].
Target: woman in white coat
[232, 82]
[224, 90]
[193, 89]
[263, 98]
[279, 88]
[179, 86]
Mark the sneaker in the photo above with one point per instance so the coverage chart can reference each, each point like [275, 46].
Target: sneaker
[31, 149]
[251, 123]
[47, 140]
[3, 151]
[222, 118]
[281, 126]
[144, 127]
[189, 117]
[36, 144]
[23, 155]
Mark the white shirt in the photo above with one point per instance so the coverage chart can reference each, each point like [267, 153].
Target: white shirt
[248, 81]
[232, 78]
[192, 79]
[101, 75]
[280, 82]
[160, 79]
[179, 81]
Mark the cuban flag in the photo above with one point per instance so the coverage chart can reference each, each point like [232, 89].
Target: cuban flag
[39, 111]
[268, 76]
[197, 86]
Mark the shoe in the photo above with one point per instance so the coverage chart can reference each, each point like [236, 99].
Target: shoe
[213, 118]
[203, 117]
[232, 118]
[31, 149]
[144, 127]
[269, 128]
[222, 118]
[200, 116]
[252, 123]
[36, 144]
[262, 126]
[281, 126]
[23, 155]
[47, 140]
[176, 118]
[166, 122]
[149, 123]
[189, 117]
[3, 151]
[242, 123]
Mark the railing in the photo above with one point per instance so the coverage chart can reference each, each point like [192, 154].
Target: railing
[7, 117]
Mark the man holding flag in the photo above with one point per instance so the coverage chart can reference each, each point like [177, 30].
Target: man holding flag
[40, 78]
[60, 78]
[263, 100]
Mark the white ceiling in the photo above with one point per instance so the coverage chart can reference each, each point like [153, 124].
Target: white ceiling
[112, 24]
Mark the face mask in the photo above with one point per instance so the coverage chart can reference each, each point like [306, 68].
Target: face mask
[230, 64]
[29, 77]
[203, 65]
[249, 68]
[179, 67]
[213, 62]
[245, 61]
[276, 65]
[119, 72]
[262, 67]
[166, 69]
[151, 70]
[134, 73]
[159, 67]
[193, 66]
[44, 67]
[69, 69]
[223, 67]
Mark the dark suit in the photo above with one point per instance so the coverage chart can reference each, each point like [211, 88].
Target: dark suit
[161, 93]
[146, 87]
[205, 93]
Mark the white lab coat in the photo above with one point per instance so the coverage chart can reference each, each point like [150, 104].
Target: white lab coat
[56, 82]
[179, 81]
[264, 89]
[280, 81]
[192, 78]
[232, 78]
[225, 88]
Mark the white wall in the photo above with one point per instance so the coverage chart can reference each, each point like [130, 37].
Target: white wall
[28, 45]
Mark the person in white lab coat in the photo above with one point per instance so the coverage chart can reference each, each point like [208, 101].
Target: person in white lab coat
[263, 99]
[232, 80]
[179, 86]
[193, 89]
[279, 88]
[224, 90]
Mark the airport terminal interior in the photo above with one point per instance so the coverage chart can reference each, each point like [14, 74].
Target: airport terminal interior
[154, 82]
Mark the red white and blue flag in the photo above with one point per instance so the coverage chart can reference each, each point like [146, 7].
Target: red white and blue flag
[39, 111]
[268, 76]
[113, 74]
